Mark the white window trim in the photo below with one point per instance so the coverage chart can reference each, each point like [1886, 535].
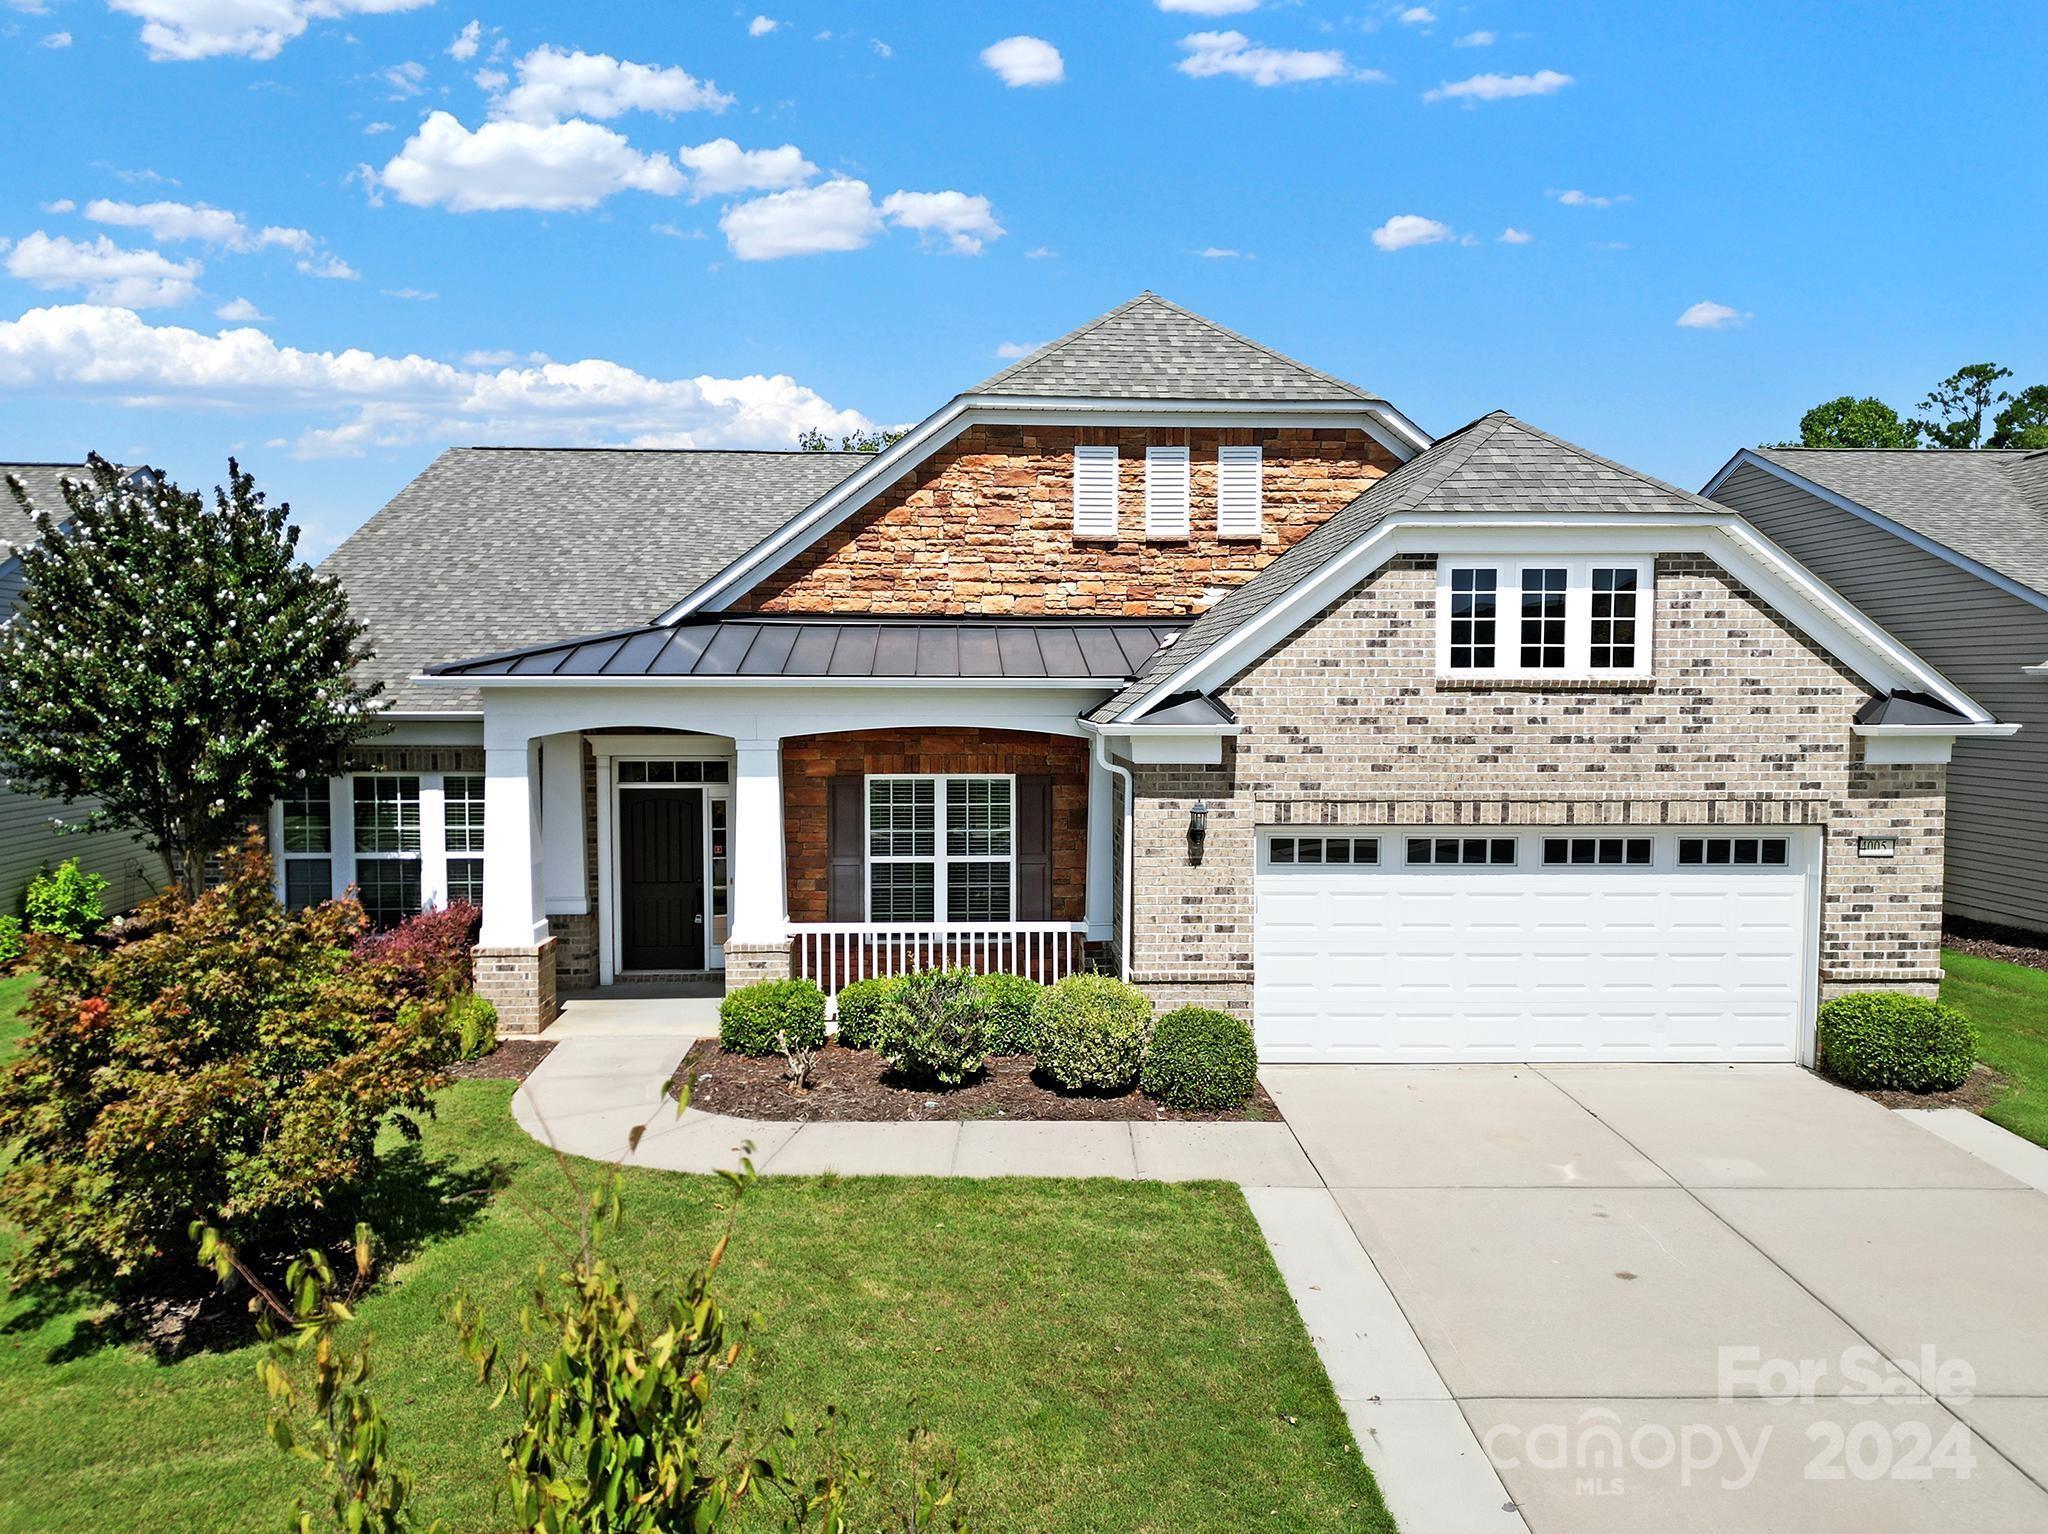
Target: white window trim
[346, 862]
[939, 858]
[1090, 462]
[1168, 493]
[1238, 461]
[1578, 626]
[337, 858]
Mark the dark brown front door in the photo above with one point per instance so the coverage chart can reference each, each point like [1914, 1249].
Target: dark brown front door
[661, 877]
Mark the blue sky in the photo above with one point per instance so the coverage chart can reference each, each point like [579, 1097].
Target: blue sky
[698, 228]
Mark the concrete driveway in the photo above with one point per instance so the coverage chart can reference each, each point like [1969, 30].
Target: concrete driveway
[1715, 1298]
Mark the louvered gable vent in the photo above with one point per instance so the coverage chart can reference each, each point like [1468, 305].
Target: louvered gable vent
[1240, 494]
[1166, 492]
[1095, 492]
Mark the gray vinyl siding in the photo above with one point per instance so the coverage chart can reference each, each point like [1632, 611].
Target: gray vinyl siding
[28, 842]
[1978, 637]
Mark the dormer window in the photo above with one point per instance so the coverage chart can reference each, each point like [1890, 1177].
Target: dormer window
[1543, 617]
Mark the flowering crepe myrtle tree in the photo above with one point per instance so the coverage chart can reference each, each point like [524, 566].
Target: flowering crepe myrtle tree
[178, 663]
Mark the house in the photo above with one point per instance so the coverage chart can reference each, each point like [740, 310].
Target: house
[1160, 651]
[1947, 552]
[30, 835]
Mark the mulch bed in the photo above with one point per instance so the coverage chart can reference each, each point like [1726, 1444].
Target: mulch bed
[1978, 1091]
[512, 1060]
[852, 1085]
[1981, 940]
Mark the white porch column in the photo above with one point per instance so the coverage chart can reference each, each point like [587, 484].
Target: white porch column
[564, 889]
[1101, 891]
[757, 947]
[512, 899]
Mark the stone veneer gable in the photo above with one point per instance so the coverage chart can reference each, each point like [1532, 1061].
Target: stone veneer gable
[985, 525]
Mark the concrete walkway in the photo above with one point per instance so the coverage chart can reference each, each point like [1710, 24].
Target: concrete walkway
[588, 1097]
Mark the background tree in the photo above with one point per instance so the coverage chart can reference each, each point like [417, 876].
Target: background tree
[1959, 402]
[2024, 421]
[811, 440]
[1852, 422]
[176, 662]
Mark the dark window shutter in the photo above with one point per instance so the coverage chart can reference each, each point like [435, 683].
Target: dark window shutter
[846, 897]
[1034, 848]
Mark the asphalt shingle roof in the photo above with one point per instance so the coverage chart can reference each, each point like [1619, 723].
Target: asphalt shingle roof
[1151, 349]
[496, 548]
[44, 483]
[1496, 464]
[1990, 506]
[835, 648]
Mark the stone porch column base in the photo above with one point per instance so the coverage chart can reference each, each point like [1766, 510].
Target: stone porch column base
[520, 983]
[747, 962]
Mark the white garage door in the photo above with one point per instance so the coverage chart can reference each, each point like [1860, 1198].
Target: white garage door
[1533, 945]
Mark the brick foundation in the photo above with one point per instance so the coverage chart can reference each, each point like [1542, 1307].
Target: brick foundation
[745, 965]
[520, 983]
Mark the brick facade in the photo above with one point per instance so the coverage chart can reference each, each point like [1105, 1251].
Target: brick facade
[810, 762]
[520, 983]
[1746, 723]
[986, 525]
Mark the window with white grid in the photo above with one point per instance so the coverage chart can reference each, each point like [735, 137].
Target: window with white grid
[941, 848]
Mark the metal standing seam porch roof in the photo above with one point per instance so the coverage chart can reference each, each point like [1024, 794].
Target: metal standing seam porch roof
[1009, 649]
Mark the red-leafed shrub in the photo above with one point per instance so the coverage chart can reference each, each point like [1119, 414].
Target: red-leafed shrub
[425, 957]
[230, 1061]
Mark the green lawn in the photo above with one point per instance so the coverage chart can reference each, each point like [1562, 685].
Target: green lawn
[1104, 1356]
[2009, 1004]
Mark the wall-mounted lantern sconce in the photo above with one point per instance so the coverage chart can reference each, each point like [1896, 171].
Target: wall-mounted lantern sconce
[1198, 830]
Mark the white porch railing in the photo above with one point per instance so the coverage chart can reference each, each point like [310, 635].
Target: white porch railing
[836, 954]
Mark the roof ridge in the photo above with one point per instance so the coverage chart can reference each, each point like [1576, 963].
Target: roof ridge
[1258, 346]
[1060, 342]
[1622, 469]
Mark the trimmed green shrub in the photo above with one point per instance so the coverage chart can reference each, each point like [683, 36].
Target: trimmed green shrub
[67, 901]
[860, 1010]
[1200, 1058]
[934, 1027]
[12, 944]
[475, 1018]
[1010, 999]
[1089, 1032]
[751, 1019]
[1900, 1043]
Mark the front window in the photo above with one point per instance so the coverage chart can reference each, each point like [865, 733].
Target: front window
[941, 845]
[1569, 618]
[463, 801]
[308, 845]
[387, 825]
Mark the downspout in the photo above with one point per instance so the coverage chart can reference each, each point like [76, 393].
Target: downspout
[1123, 948]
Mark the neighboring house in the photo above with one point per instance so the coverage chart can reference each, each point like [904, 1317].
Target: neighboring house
[1164, 652]
[29, 836]
[1948, 552]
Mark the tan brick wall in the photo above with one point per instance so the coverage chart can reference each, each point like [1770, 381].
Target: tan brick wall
[986, 525]
[810, 762]
[1746, 723]
[520, 983]
[745, 965]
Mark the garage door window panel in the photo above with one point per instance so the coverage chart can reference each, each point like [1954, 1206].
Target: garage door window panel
[1461, 851]
[1566, 618]
[1734, 852]
[1597, 851]
[1323, 851]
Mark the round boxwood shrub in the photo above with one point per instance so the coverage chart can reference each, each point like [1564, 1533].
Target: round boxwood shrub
[934, 1027]
[1089, 1033]
[1900, 1043]
[751, 1019]
[1200, 1058]
[1010, 999]
[860, 1009]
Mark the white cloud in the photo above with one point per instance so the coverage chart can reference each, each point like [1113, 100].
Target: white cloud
[467, 41]
[1010, 351]
[1041, 253]
[881, 48]
[373, 129]
[1224, 253]
[1513, 236]
[761, 26]
[410, 295]
[491, 80]
[722, 167]
[1208, 7]
[1404, 230]
[1474, 40]
[1574, 198]
[554, 85]
[838, 215]
[965, 222]
[61, 205]
[1232, 53]
[109, 274]
[254, 29]
[1417, 16]
[332, 267]
[1707, 315]
[406, 80]
[546, 166]
[1025, 61]
[373, 400]
[239, 309]
[57, 40]
[1544, 82]
[170, 222]
[677, 232]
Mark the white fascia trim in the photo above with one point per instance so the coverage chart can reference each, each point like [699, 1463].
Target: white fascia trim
[1926, 545]
[1773, 574]
[1936, 731]
[2040, 670]
[1166, 731]
[1380, 421]
[1039, 683]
